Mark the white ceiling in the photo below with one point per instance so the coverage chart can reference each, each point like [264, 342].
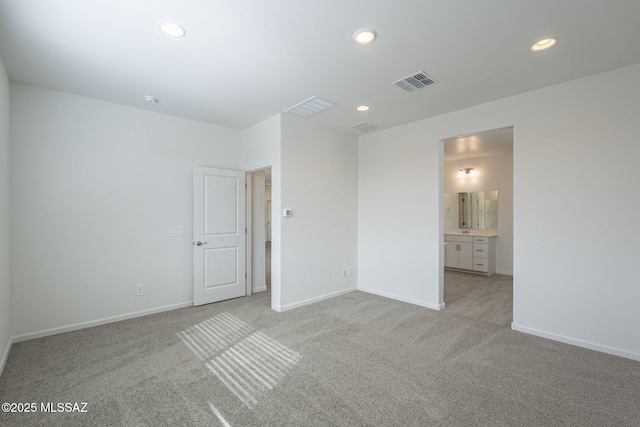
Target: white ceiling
[243, 61]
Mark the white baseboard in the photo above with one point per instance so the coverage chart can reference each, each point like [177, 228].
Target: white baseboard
[506, 273]
[5, 356]
[83, 325]
[577, 342]
[313, 300]
[260, 289]
[403, 299]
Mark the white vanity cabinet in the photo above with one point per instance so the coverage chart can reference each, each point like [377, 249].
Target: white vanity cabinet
[459, 253]
[473, 254]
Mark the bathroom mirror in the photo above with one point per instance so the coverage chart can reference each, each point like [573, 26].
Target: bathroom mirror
[471, 210]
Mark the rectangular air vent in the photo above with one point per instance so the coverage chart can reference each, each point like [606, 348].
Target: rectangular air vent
[364, 127]
[309, 107]
[415, 81]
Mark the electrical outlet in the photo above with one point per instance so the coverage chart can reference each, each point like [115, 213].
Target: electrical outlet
[349, 271]
[139, 290]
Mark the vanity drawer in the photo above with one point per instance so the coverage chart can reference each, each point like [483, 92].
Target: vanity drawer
[480, 264]
[480, 250]
[480, 239]
[461, 239]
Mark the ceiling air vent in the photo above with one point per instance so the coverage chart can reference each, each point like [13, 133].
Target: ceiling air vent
[309, 107]
[415, 81]
[364, 127]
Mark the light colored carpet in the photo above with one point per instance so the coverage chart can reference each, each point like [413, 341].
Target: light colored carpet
[354, 360]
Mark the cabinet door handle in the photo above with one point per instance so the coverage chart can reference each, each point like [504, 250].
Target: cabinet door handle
[479, 250]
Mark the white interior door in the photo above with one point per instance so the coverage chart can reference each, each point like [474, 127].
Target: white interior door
[218, 235]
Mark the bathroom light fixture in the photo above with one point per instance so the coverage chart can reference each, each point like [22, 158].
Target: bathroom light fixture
[466, 172]
[363, 108]
[543, 44]
[151, 99]
[364, 36]
[172, 29]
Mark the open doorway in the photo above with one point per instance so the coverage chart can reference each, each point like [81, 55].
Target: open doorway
[268, 212]
[478, 225]
[259, 231]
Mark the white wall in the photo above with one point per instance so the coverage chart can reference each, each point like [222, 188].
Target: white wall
[575, 152]
[5, 287]
[492, 173]
[95, 187]
[319, 183]
[261, 147]
[398, 248]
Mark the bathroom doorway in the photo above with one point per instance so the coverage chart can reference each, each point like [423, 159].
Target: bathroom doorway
[478, 236]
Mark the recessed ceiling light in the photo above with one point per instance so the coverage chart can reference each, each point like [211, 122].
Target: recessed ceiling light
[364, 36]
[151, 99]
[363, 108]
[173, 30]
[543, 44]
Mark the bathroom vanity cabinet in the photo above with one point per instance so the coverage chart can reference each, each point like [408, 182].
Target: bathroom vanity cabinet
[459, 253]
[471, 253]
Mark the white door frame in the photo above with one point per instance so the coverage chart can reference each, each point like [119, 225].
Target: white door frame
[249, 225]
[248, 221]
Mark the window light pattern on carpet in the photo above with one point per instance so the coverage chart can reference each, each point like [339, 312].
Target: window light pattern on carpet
[247, 362]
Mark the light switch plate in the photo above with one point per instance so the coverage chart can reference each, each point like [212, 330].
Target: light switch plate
[287, 212]
[176, 231]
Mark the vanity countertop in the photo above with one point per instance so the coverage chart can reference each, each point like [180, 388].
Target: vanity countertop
[488, 232]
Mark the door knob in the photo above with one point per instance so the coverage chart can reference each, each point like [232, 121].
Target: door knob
[199, 243]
